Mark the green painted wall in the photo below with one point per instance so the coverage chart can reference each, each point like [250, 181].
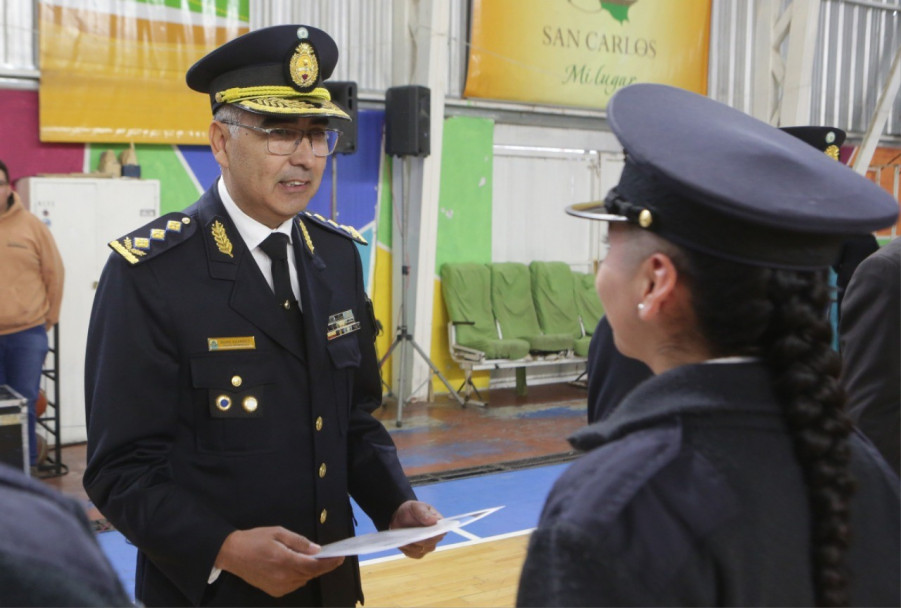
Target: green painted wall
[464, 224]
[464, 205]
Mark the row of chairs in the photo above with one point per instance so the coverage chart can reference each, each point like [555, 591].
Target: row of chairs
[509, 314]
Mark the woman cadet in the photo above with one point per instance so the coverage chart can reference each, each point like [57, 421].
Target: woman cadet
[732, 477]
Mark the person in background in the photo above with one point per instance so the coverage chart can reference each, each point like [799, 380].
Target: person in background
[854, 251]
[611, 375]
[871, 350]
[231, 372]
[48, 553]
[856, 247]
[732, 477]
[31, 292]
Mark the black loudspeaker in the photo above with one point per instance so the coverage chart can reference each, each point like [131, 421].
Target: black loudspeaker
[345, 95]
[407, 121]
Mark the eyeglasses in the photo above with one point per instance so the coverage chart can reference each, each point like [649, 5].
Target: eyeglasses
[283, 142]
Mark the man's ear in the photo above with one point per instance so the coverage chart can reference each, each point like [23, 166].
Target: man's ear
[218, 138]
[660, 285]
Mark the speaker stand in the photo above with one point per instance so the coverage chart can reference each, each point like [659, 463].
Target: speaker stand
[403, 338]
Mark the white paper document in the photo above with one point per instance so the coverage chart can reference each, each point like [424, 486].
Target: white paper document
[390, 539]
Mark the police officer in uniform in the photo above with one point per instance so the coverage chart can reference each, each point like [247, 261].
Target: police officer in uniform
[613, 375]
[231, 371]
[732, 476]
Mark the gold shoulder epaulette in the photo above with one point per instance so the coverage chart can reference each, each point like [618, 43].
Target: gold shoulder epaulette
[158, 236]
[342, 229]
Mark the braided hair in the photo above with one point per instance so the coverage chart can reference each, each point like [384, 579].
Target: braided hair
[779, 315]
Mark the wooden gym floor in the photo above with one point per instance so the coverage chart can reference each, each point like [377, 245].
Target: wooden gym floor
[459, 459]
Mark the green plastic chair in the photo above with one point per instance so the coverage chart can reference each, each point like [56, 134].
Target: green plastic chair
[511, 301]
[553, 291]
[590, 308]
[467, 296]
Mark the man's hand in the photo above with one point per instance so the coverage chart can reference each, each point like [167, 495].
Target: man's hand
[415, 514]
[273, 559]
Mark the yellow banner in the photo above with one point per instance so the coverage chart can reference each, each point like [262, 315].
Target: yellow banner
[114, 70]
[579, 52]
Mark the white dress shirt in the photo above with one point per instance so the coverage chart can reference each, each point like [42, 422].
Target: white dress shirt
[254, 233]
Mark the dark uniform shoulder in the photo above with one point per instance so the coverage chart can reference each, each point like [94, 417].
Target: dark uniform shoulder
[617, 471]
[150, 240]
[331, 225]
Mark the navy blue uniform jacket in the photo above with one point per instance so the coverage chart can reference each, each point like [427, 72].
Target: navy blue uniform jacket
[206, 415]
[48, 553]
[691, 495]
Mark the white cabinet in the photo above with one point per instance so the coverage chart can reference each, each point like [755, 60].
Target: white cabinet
[84, 214]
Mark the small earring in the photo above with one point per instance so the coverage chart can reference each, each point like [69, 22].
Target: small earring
[641, 306]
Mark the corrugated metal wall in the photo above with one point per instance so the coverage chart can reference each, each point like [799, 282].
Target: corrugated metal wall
[18, 42]
[856, 44]
[363, 31]
[857, 41]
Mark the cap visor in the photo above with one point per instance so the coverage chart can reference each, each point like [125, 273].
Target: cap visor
[292, 106]
[594, 210]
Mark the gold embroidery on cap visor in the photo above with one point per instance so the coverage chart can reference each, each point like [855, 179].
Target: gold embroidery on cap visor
[283, 100]
[304, 66]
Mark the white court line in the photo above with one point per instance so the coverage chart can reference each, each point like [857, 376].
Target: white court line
[448, 547]
[466, 534]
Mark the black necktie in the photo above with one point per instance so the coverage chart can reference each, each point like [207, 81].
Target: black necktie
[276, 247]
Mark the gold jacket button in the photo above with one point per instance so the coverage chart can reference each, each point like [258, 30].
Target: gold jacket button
[323, 516]
[237, 381]
[319, 423]
[250, 404]
[223, 402]
[322, 469]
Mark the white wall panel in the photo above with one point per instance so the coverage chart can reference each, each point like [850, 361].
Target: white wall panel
[18, 39]
[530, 194]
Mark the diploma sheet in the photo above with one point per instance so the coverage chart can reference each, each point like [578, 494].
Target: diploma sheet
[391, 539]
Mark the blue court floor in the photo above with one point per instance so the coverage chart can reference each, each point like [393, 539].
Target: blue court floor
[521, 493]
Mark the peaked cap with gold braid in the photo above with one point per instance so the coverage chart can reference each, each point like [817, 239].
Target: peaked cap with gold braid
[276, 71]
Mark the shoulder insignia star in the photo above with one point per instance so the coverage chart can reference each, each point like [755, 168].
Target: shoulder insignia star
[342, 229]
[154, 238]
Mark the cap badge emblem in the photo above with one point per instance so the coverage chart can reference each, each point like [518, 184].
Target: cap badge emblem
[303, 67]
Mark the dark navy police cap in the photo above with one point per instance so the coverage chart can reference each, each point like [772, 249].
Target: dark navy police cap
[276, 71]
[711, 178]
[824, 139]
